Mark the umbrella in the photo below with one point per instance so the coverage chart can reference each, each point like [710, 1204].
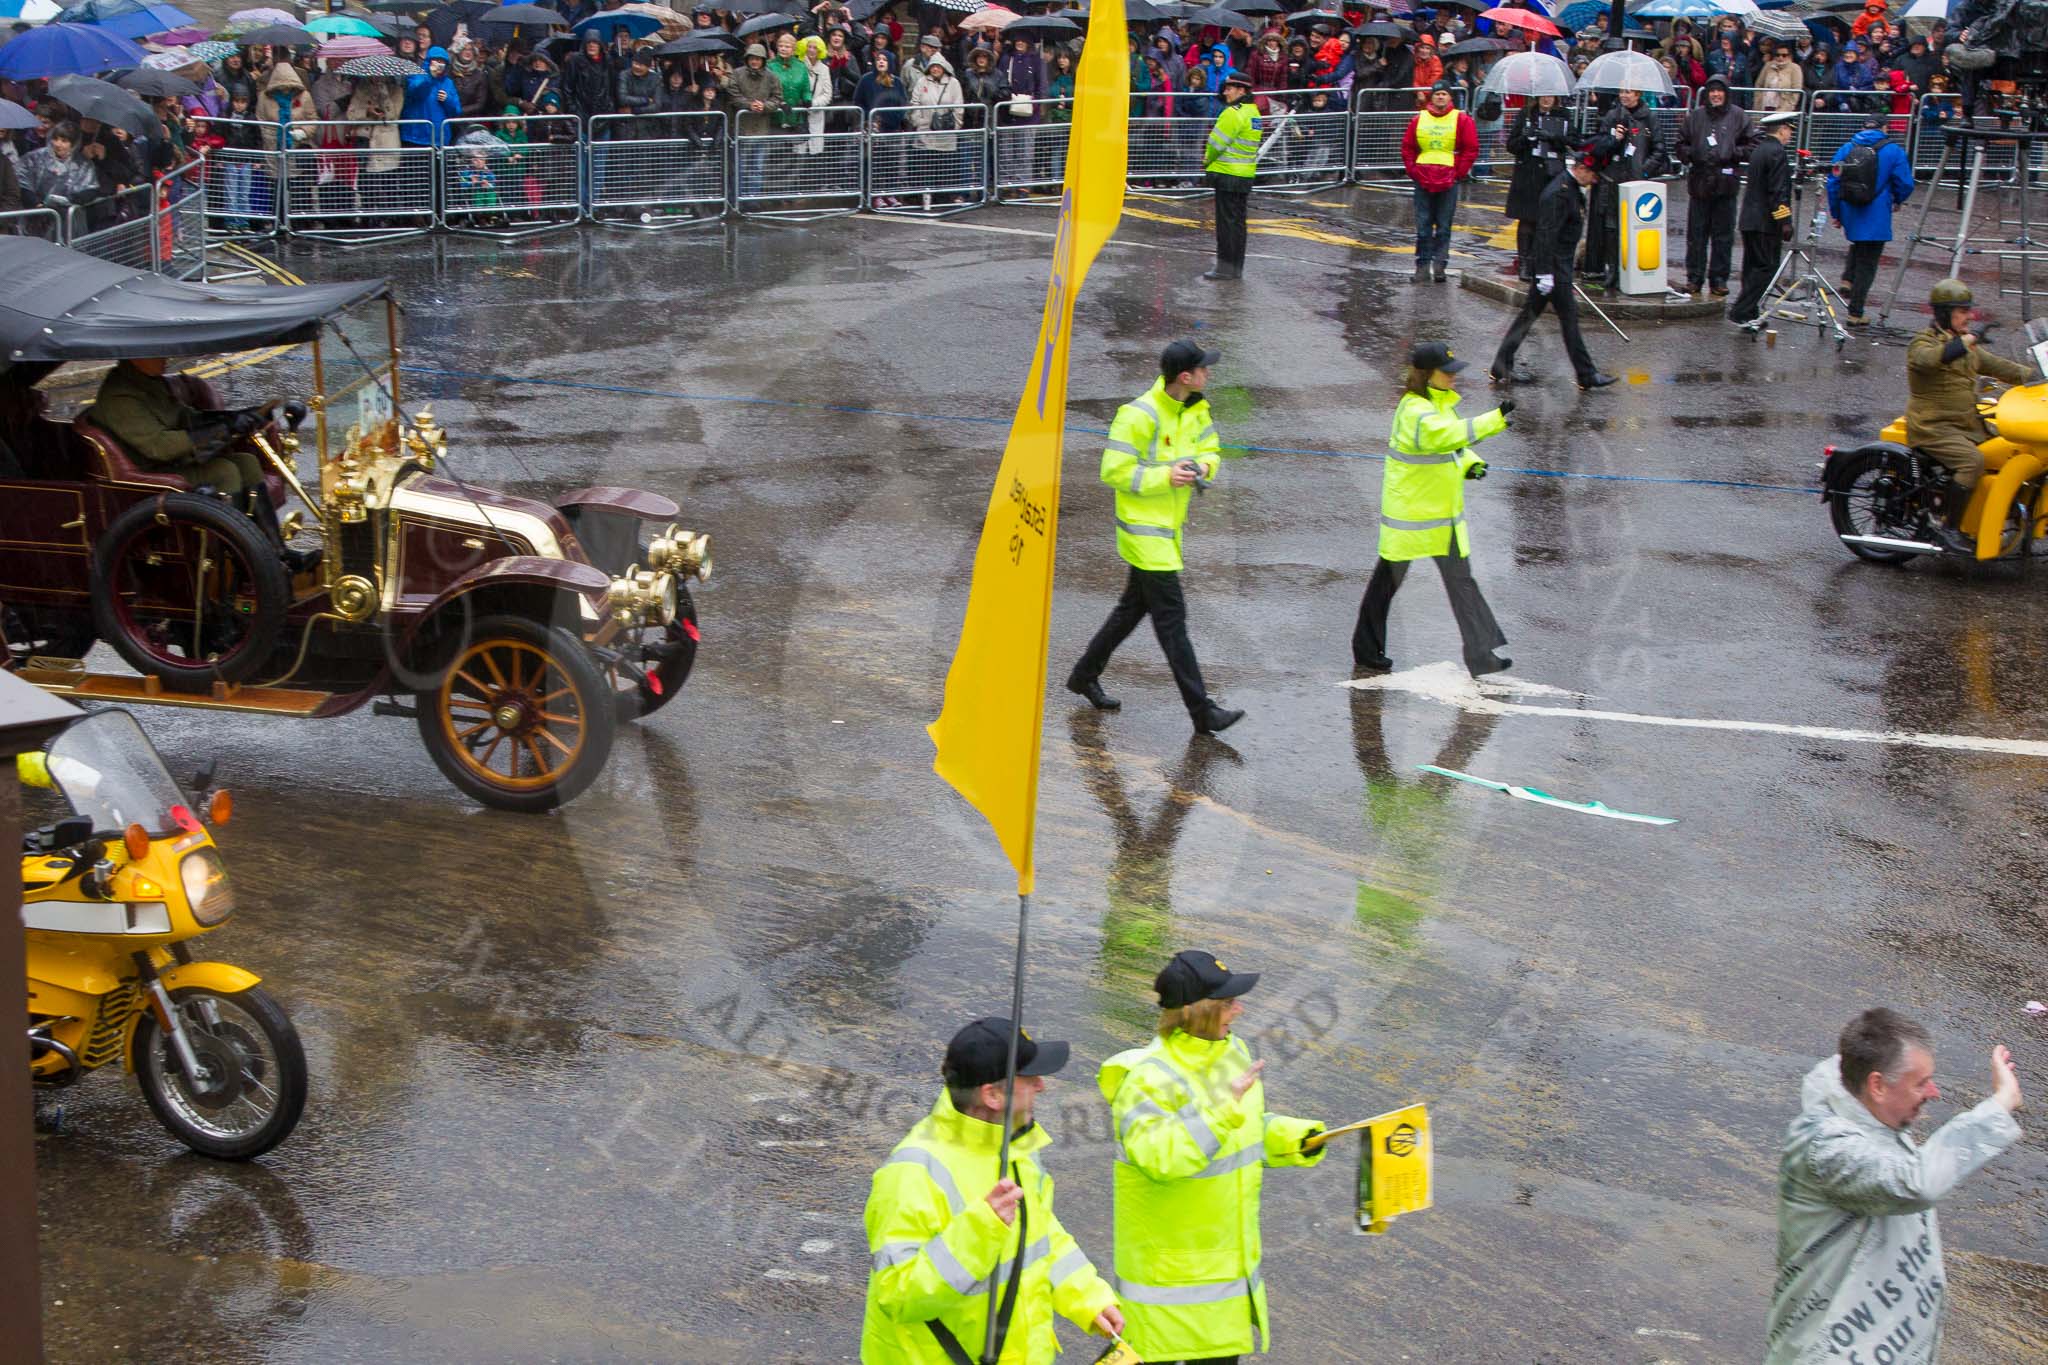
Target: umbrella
[386, 66]
[1046, 27]
[764, 23]
[1783, 27]
[1927, 9]
[29, 11]
[1626, 70]
[960, 6]
[128, 18]
[1474, 5]
[349, 47]
[213, 49]
[390, 25]
[605, 23]
[13, 117]
[1525, 19]
[181, 37]
[171, 61]
[1383, 28]
[97, 99]
[707, 40]
[755, 7]
[536, 15]
[1684, 9]
[1474, 47]
[1315, 16]
[1528, 73]
[490, 142]
[257, 18]
[334, 24]
[1580, 15]
[66, 49]
[1224, 17]
[993, 17]
[1258, 7]
[155, 85]
[278, 35]
[397, 6]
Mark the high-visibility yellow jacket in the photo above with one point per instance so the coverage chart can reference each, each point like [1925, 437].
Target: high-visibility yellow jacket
[1150, 435]
[1234, 142]
[933, 1241]
[1189, 1163]
[1422, 493]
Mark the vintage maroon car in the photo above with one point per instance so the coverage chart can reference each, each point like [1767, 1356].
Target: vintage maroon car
[519, 633]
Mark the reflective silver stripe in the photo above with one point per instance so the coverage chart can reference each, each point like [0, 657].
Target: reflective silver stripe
[1190, 1116]
[1410, 457]
[1072, 1263]
[949, 1267]
[1397, 524]
[1037, 1252]
[1469, 437]
[1125, 446]
[1140, 1110]
[1163, 531]
[894, 1253]
[1145, 406]
[1138, 476]
[1205, 433]
[1250, 1155]
[1181, 1294]
[931, 1166]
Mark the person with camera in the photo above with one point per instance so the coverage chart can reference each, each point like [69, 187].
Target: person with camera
[1943, 362]
[1540, 140]
[1422, 510]
[1766, 216]
[1871, 176]
[1635, 152]
[1714, 143]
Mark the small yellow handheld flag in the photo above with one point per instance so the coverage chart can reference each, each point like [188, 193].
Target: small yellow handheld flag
[987, 732]
[1395, 1167]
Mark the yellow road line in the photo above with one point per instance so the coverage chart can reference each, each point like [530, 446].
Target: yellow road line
[1297, 228]
[242, 360]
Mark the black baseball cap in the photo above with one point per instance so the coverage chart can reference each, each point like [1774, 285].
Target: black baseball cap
[1196, 975]
[979, 1054]
[1185, 355]
[1435, 355]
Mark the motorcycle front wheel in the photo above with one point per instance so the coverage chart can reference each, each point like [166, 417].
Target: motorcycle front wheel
[1869, 498]
[252, 1086]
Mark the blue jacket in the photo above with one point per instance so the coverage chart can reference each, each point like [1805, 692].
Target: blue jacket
[422, 107]
[1871, 222]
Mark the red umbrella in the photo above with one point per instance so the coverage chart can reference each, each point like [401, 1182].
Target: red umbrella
[1522, 18]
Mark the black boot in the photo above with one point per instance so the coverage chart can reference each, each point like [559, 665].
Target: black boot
[1492, 663]
[1439, 270]
[1212, 719]
[1223, 270]
[1948, 532]
[1091, 688]
[1421, 272]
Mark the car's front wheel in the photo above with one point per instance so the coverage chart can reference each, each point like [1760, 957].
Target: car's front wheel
[520, 716]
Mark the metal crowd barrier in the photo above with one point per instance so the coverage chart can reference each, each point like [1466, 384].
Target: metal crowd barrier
[1377, 130]
[1301, 153]
[930, 170]
[1031, 157]
[121, 228]
[679, 179]
[795, 174]
[528, 178]
[241, 183]
[341, 188]
[44, 223]
[1166, 155]
[1927, 138]
[183, 207]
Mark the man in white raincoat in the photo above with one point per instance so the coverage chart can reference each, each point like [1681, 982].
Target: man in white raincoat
[1860, 1277]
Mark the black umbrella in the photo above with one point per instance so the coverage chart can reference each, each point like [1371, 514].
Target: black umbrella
[538, 15]
[397, 6]
[1315, 16]
[704, 40]
[1259, 7]
[1384, 28]
[155, 85]
[1046, 27]
[764, 23]
[390, 25]
[755, 6]
[1222, 16]
[1476, 6]
[864, 10]
[1476, 47]
[278, 35]
[91, 98]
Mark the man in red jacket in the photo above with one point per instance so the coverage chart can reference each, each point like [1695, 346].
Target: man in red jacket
[1439, 148]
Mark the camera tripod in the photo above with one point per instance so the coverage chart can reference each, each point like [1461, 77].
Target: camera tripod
[1799, 281]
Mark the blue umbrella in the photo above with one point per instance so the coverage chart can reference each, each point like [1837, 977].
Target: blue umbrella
[127, 18]
[1581, 13]
[601, 25]
[66, 50]
[1680, 9]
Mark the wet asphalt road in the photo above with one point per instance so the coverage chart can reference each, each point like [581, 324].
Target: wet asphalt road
[608, 1085]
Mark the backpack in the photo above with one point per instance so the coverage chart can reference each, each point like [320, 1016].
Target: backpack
[1857, 180]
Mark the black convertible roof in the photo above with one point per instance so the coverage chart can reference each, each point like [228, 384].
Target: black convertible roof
[59, 304]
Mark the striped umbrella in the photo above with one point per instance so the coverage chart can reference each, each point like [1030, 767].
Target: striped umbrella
[387, 66]
[213, 49]
[348, 47]
[959, 6]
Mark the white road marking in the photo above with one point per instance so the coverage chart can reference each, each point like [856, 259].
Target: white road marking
[798, 1276]
[790, 1142]
[817, 1246]
[1671, 1332]
[1446, 682]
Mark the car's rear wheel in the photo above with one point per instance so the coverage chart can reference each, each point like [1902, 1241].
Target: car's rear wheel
[520, 717]
[187, 589]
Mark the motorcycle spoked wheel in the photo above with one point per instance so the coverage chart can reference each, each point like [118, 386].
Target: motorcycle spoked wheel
[254, 1084]
[1873, 496]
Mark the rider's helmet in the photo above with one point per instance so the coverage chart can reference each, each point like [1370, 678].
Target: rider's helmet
[1949, 294]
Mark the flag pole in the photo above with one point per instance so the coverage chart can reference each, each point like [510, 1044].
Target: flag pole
[988, 1345]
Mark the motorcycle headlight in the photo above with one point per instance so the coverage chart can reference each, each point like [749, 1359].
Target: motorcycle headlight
[205, 879]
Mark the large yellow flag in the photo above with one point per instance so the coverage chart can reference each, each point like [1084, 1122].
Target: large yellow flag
[987, 732]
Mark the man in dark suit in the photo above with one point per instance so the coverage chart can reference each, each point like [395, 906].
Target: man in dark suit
[1560, 219]
[1765, 219]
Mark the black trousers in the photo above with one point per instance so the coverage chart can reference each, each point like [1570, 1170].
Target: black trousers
[1233, 194]
[1862, 272]
[1603, 230]
[1761, 252]
[1481, 633]
[1710, 241]
[1154, 593]
[1566, 303]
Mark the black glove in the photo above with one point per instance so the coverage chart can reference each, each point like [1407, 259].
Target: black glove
[209, 437]
[248, 420]
[1507, 407]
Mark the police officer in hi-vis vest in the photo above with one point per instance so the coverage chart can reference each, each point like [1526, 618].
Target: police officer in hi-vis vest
[1161, 446]
[1231, 160]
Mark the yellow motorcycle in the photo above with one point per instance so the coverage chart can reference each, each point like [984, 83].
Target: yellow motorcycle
[112, 895]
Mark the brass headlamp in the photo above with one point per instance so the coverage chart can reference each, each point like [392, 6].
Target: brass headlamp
[642, 595]
[680, 552]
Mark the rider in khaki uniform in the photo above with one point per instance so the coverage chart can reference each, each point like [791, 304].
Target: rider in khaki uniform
[1943, 363]
[135, 405]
